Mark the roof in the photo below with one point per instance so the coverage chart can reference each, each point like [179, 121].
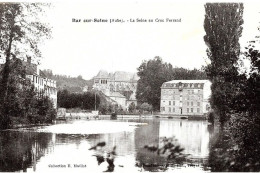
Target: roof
[122, 76]
[30, 68]
[188, 81]
[102, 74]
[135, 77]
[117, 76]
[132, 97]
[42, 74]
[116, 94]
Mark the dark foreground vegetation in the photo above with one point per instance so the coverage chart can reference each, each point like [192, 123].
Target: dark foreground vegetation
[22, 105]
[18, 101]
[235, 94]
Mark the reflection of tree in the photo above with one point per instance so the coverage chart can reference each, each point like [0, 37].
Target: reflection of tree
[18, 151]
[167, 149]
[102, 156]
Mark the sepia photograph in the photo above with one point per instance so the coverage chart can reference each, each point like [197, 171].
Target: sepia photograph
[134, 86]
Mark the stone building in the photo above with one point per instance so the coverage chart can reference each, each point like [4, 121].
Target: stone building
[119, 86]
[185, 97]
[43, 85]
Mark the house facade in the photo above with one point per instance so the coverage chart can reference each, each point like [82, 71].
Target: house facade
[43, 86]
[119, 86]
[185, 97]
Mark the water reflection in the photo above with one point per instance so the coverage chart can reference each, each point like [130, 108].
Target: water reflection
[30, 151]
[191, 135]
[18, 151]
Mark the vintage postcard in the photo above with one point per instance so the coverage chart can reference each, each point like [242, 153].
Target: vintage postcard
[132, 86]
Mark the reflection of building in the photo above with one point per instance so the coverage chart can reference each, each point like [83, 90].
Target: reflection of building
[119, 86]
[185, 97]
[193, 136]
[147, 135]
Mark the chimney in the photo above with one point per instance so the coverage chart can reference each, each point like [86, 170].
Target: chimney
[29, 60]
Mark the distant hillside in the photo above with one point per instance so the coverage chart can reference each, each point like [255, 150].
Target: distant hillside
[72, 84]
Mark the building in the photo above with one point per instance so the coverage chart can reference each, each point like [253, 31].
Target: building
[119, 86]
[185, 97]
[43, 85]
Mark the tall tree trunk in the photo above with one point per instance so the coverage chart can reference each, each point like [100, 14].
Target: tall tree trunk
[5, 120]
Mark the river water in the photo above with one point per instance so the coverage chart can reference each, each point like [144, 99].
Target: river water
[65, 147]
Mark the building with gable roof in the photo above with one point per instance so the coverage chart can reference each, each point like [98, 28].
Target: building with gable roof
[43, 86]
[119, 86]
[185, 97]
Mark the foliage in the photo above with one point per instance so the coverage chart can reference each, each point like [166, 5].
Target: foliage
[105, 108]
[23, 105]
[248, 96]
[223, 27]
[21, 32]
[154, 73]
[131, 107]
[146, 107]
[85, 100]
[237, 147]
[109, 108]
[18, 150]
[72, 84]
[171, 153]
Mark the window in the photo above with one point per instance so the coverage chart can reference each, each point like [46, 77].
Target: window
[169, 102]
[188, 103]
[198, 91]
[192, 91]
[169, 109]
[191, 103]
[191, 109]
[173, 102]
[162, 108]
[188, 110]
[173, 109]
[198, 110]
[188, 91]
[198, 104]
[188, 97]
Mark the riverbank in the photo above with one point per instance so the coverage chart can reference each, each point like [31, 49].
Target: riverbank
[17, 126]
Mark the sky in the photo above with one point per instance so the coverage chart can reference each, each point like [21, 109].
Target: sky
[78, 48]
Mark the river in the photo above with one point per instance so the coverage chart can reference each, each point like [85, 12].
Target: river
[65, 146]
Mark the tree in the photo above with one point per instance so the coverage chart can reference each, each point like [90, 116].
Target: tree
[223, 27]
[131, 107]
[154, 73]
[23, 105]
[21, 32]
[146, 107]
